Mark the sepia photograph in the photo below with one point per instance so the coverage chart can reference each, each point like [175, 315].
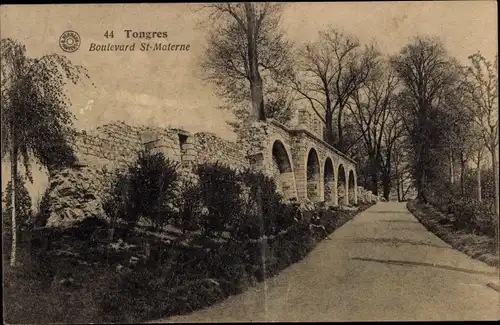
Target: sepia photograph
[250, 162]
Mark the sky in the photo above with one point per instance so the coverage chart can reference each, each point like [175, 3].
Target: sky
[167, 88]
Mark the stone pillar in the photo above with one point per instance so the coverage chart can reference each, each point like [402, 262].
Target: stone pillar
[321, 184]
[360, 194]
[188, 151]
[304, 119]
[318, 130]
[355, 191]
[300, 166]
[257, 162]
[346, 196]
[335, 191]
[156, 143]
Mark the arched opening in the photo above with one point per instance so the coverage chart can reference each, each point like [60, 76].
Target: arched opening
[282, 170]
[313, 176]
[352, 188]
[341, 186]
[330, 190]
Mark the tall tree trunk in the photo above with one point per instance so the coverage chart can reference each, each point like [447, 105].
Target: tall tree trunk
[329, 137]
[374, 174]
[478, 179]
[452, 174]
[495, 201]
[422, 152]
[387, 175]
[420, 186]
[462, 174]
[255, 78]
[398, 189]
[398, 183]
[13, 168]
[340, 141]
[387, 186]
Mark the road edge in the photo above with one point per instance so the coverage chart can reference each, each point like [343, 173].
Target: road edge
[444, 234]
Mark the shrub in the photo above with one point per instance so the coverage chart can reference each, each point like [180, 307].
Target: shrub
[472, 215]
[264, 208]
[148, 190]
[190, 205]
[117, 203]
[221, 194]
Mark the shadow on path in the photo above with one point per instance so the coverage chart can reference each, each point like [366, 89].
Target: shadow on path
[410, 263]
[393, 241]
[399, 221]
[389, 212]
[410, 229]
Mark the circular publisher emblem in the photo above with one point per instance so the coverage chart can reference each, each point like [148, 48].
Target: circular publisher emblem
[69, 41]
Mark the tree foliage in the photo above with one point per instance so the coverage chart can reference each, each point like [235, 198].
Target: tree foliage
[482, 93]
[425, 72]
[35, 115]
[248, 58]
[371, 108]
[148, 190]
[331, 69]
[23, 204]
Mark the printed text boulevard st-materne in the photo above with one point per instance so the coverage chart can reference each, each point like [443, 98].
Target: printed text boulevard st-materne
[157, 44]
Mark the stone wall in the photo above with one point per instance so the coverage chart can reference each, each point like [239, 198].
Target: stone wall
[210, 149]
[114, 144]
[78, 193]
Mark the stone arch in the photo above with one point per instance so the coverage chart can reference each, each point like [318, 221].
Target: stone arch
[284, 176]
[329, 182]
[352, 187]
[342, 185]
[313, 176]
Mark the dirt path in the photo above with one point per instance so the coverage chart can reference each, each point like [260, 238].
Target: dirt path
[382, 265]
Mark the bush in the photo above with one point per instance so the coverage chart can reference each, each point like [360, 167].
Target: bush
[116, 204]
[148, 190]
[265, 210]
[191, 208]
[472, 215]
[220, 192]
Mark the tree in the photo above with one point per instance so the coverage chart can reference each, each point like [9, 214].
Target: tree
[248, 57]
[35, 120]
[370, 108]
[477, 158]
[331, 69]
[461, 138]
[391, 142]
[424, 70]
[482, 77]
[402, 173]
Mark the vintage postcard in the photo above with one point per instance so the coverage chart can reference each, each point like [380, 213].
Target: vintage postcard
[240, 162]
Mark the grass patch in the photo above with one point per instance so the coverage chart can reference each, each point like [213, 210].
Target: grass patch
[476, 245]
